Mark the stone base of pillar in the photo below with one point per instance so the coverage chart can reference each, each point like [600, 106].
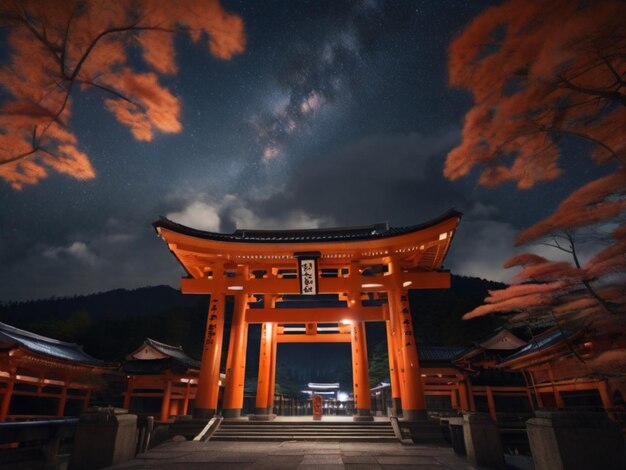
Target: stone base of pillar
[457, 438]
[414, 415]
[261, 417]
[482, 440]
[202, 413]
[562, 439]
[231, 413]
[362, 415]
[263, 411]
[396, 406]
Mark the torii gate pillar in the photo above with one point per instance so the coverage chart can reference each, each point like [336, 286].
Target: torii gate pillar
[208, 382]
[360, 373]
[412, 395]
[236, 360]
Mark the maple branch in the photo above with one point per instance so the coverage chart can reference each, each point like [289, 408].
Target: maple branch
[583, 136]
[609, 95]
[605, 305]
[59, 54]
[112, 91]
[616, 75]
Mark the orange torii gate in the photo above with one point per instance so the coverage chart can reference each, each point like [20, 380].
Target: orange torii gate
[370, 268]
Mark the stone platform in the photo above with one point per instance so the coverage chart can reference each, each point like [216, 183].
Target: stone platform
[300, 455]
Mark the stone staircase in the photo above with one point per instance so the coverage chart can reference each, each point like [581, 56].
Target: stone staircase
[309, 430]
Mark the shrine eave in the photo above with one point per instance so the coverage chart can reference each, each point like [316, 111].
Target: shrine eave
[11, 337]
[322, 235]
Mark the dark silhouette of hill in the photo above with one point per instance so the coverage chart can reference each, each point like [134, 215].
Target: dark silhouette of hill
[122, 302]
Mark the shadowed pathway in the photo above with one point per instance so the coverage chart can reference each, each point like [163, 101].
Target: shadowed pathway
[300, 455]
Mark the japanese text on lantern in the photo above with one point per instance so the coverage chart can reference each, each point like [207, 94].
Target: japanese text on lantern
[211, 327]
[308, 279]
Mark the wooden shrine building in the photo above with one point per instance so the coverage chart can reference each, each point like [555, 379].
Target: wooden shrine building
[42, 377]
[161, 379]
[368, 269]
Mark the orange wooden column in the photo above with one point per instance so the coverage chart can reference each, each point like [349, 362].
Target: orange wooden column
[413, 401]
[209, 380]
[396, 343]
[186, 399]
[605, 395]
[129, 393]
[393, 371]
[62, 400]
[6, 398]
[272, 380]
[464, 403]
[360, 373]
[87, 399]
[265, 357]
[491, 403]
[236, 361]
[167, 397]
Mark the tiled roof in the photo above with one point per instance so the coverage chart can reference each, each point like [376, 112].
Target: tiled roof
[11, 337]
[175, 352]
[176, 359]
[539, 343]
[438, 353]
[368, 232]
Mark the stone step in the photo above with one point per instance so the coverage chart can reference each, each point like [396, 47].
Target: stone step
[347, 424]
[257, 433]
[241, 430]
[290, 437]
[315, 428]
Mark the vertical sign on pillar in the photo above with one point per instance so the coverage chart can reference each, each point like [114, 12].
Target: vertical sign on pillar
[307, 272]
[208, 382]
[413, 401]
[407, 324]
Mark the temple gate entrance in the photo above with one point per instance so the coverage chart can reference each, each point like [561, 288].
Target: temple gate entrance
[369, 269]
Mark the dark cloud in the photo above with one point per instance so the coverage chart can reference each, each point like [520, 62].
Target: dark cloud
[130, 256]
[379, 177]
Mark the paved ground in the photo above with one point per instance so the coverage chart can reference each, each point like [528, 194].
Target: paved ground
[301, 455]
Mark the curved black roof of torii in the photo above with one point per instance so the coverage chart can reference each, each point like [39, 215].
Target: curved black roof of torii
[368, 232]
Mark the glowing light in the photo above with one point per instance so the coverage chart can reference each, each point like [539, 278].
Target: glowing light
[235, 287]
[316, 386]
[369, 286]
[407, 283]
[346, 322]
[342, 396]
[443, 236]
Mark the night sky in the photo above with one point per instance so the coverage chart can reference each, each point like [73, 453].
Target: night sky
[337, 114]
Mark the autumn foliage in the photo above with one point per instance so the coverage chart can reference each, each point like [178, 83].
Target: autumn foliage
[539, 71]
[542, 73]
[60, 49]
